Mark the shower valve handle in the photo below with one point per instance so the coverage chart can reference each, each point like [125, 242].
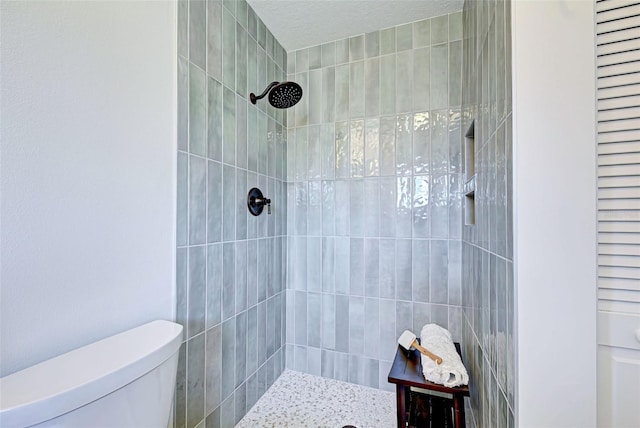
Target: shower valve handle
[256, 202]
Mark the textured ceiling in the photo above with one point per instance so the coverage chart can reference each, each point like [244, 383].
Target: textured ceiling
[303, 23]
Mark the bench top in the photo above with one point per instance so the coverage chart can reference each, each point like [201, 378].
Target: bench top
[407, 370]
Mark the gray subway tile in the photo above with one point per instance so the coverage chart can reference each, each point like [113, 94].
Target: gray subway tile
[404, 207]
[388, 41]
[182, 267]
[372, 334]
[195, 380]
[404, 37]
[387, 208]
[183, 28]
[342, 51]
[420, 270]
[182, 200]
[197, 291]
[422, 33]
[356, 89]
[422, 79]
[421, 207]
[356, 47]
[421, 316]
[372, 147]
[241, 276]
[301, 318]
[404, 317]
[404, 139]
[422, 124]
[439, 72]
[228, 367]
[356, 267]
[328, 264]
[387, 265]
[328, 54]
[314, 361]
[213, 367]
[440, 29]
[197, 110]
[214, 39]
[315, 96]
[183, 103]
[439, 271]
[314, 321]
[240, 396]
[387, 332]
[455, 25]
[371, 267]
[372, 44]
[241, 348]
[371, 211]
[342, 323]
[403, 269]
[342, 92]
[214, 202]
[228, 413]
[214, 285]
[214, 121]
[197, 32]
[328, 339]
[356, 207]
[356, 325]
[387, 145]
[228, 203]
[327, 364]
[229, 127]
[388, 83]
[341, 368]
[372, 86]
[228, 49]
[228, 280]
[302, 60]
[315, 57]
[241, 212]
[404, 79]
[241, 132]
[314, 264]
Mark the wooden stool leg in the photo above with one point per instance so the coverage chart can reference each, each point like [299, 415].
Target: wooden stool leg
[458, 410]
[401, 410]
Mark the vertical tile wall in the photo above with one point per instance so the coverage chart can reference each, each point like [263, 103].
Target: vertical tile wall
[487, 246]
[230, 265]
[373, 183]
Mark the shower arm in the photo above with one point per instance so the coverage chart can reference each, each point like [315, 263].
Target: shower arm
[255, 98]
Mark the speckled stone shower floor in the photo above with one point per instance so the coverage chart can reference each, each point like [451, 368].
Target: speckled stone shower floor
[298, 400]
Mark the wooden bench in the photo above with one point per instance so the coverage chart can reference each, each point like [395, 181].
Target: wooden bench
[406, 372]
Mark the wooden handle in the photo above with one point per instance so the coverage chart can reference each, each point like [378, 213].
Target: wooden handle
[426, 352]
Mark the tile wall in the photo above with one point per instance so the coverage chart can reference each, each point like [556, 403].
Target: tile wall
[230, 267]
[487, 246]
[374, 197]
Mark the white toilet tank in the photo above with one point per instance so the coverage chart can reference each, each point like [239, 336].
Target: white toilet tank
[126, 380]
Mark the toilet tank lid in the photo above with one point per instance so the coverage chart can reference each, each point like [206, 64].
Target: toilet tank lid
[68, 381]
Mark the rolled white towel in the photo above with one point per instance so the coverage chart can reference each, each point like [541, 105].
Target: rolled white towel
[451, 372]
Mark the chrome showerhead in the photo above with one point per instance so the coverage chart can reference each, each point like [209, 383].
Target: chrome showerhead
[281, 95]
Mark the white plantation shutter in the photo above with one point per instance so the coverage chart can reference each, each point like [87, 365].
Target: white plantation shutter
[618, 86]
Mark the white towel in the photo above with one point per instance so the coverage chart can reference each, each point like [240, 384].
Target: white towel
[451, 372]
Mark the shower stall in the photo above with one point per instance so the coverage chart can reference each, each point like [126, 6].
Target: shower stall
[361, 153]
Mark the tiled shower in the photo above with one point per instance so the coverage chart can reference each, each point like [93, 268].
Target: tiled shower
[230, 267]
[373, 184]
[366, 175]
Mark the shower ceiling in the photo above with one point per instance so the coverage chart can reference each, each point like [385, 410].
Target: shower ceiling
[303, 23]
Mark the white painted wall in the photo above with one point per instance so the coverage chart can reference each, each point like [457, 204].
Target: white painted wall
[87, 176]
[555, 212]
